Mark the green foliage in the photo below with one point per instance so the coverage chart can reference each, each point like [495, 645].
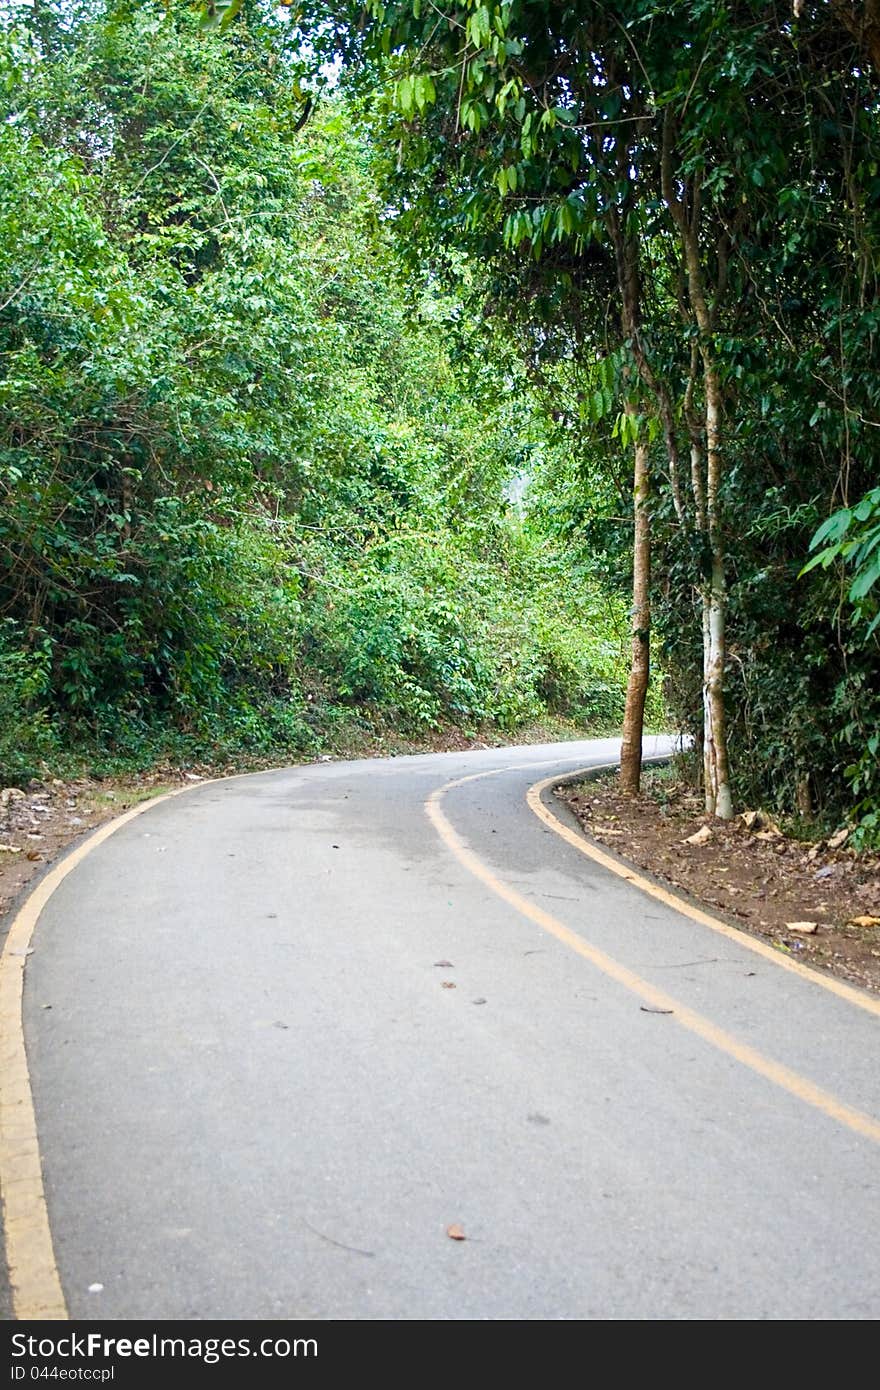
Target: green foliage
[27, 735]
[547, 140]
[257, 466]
[252, 475]
[852, 535]
[444, 636]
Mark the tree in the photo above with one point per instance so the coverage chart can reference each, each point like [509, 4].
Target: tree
[664, 133]
[553, 118]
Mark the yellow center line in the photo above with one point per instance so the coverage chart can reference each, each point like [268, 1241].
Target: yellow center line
[792, 1082]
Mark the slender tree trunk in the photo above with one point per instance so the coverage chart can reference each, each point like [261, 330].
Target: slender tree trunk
[695, 435]
[707, 642]
[716, 772]
[719, 801]
[640, 660]
[626, 250]
[804, 796]
[698, 485]
[713, 587]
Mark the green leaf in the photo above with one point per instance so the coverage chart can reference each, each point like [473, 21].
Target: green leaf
[833, 528]
[864, 582]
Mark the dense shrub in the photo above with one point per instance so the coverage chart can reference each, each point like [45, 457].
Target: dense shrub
[253, 478]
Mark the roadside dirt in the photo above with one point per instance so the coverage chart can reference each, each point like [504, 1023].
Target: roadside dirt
[748, 872]
[40, 821]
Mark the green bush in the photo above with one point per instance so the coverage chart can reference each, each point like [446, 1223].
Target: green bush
[27, 735]
[252, 481]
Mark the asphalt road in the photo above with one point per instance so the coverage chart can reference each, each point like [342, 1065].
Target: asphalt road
[256, 1098]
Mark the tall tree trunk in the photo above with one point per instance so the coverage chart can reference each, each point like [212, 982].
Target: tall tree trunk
[713, 587]
[640, 659]
[626, 254]
[719, 801]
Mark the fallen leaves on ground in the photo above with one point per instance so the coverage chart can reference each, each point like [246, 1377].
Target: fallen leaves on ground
[699, 837]
[747, 870]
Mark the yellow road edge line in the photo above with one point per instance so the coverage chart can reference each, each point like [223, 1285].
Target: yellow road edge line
[30, 1253]
[775, 1072]
[760, 948]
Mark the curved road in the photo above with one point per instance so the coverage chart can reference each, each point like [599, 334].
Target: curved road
[257, 1095]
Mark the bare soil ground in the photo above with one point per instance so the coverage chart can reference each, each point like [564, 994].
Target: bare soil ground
[40, 821]
[818, 901]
